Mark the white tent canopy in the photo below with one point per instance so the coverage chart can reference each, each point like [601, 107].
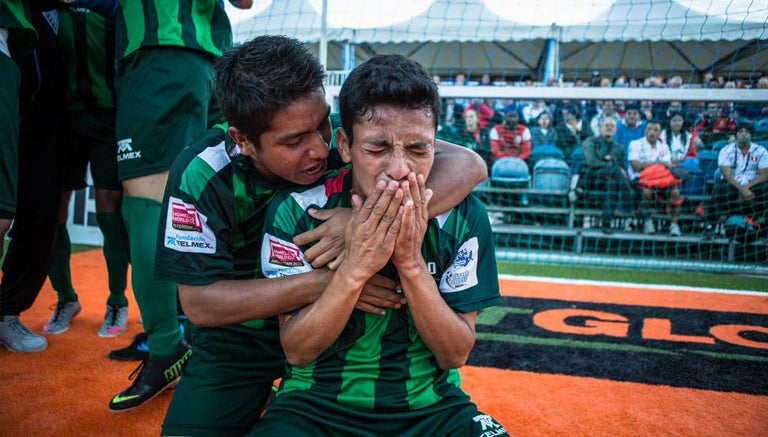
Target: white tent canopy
[636, 37]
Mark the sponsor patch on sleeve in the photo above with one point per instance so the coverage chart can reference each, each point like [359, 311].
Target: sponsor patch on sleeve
[462, 274]
[281, 258]
[186, 229]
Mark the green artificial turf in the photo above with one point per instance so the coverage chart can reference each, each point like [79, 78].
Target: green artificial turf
[722, 280]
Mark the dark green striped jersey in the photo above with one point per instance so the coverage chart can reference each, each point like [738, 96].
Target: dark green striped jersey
[15, 16]
[213, 213]
[194, 24]
[381, 362]
[87, 43]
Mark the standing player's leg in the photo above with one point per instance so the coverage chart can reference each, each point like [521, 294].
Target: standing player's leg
[98, 130]
[60, 274]
[156, 119]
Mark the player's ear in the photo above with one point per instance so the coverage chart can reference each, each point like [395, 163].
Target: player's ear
[246, 146]
[342, 143]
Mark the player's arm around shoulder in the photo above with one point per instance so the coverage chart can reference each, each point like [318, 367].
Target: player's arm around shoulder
[452, 160]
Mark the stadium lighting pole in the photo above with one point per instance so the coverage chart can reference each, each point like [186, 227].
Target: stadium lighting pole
[552, 65]
[324, 36]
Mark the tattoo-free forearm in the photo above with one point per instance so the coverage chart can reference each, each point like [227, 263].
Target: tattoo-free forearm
[240, 300]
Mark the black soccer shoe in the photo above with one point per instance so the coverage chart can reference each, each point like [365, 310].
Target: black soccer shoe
[155, 376]
[138, 350]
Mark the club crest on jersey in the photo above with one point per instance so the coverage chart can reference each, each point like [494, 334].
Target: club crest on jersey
[462, 273]
[186, 229]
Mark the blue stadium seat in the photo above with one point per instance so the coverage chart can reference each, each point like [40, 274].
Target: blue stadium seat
[510, 172]
[708, 164]
[545, 151]
[551, 174]
[577, 157]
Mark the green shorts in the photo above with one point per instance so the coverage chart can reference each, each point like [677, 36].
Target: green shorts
[9, 136]
[299, 413]
[227, 381]
[92, 140]
[165, 101]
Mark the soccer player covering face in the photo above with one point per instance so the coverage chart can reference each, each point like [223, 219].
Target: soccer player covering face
[277, 137]
[356, 373]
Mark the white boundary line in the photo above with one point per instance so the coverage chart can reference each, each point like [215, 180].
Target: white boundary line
[631, 285]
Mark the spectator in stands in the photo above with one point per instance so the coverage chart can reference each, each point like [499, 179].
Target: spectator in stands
[543, 133]
[714, 125]
[606, 110]
[484, 112]
[510, 138]
[621, 81]
[603, 170]
[596, 79]
[680, 141]
[675, 82]
[468, 133]
[572, 130]
[647, 110]
[532, 110]
[485, 80]
[644, 153]
[743, 189]
[460, 80]
[760, 109]
[631, 127]
[676, 106]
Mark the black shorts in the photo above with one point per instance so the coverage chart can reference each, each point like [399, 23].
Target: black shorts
[92, 141]
[165, 101]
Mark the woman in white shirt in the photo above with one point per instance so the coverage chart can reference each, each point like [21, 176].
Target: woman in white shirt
[680, 141]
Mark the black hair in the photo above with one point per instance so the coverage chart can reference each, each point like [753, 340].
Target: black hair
[744, 125]
[676, 114]
[262, 76]
[387, 80]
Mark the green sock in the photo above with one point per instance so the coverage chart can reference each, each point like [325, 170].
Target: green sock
[156, 299]
[60, 273]
[115, 254]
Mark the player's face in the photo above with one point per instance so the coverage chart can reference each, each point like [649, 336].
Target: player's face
[390, 145]
[295, 149]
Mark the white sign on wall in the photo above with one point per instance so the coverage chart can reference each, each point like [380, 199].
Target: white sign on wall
[81, 219]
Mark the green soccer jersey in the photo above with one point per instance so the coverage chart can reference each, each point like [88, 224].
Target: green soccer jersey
[213, 213]
[194, 24]
[87, 42]
[381, 362]
[22, 36]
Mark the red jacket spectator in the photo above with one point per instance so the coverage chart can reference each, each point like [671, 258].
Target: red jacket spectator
[484, 112]
[511, 138]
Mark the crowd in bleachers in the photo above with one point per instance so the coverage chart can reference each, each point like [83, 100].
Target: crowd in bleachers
[690, 136]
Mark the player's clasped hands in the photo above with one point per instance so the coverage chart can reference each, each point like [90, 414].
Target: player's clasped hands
[407, 252]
